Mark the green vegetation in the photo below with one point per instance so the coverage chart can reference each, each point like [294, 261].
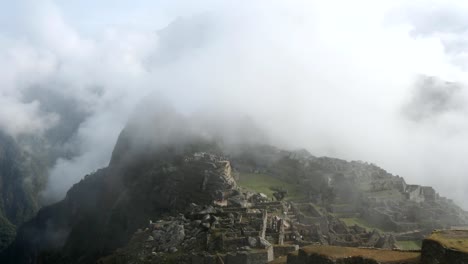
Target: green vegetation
[393, 194]
[409, 245]
[351, 221]
[7, 232]
[264, 183]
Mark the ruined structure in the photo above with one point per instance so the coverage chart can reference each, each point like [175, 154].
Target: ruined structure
[201, 214]
[241, 226]
[368, 192]
[257, 233]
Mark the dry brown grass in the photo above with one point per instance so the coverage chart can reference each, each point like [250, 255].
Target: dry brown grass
[382, 256]
[454, 239]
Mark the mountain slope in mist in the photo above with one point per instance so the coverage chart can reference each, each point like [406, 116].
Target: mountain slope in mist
[26, 159]
[22, 177]
[101, 212]
[154, 171]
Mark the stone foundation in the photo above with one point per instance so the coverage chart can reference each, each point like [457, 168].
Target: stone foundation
[250, 257]
[283, 250]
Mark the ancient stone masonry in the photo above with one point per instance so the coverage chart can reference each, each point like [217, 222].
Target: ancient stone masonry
[207, 234]
[240, 226]
[313, 226]
[264, 224]
[362, 191]
[366, 191]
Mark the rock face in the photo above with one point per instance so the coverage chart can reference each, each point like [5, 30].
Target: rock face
[156, 168]
[101, 212]
[445, 247]
[199, 177]
[22, 176]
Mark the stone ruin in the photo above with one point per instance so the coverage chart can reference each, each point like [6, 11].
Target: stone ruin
[245, 227]
[255, 230]
[312, 226]
[368, 192]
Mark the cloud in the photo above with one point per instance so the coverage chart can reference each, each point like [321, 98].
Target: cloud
[332, 80]
[433, 97]
[17, 118]
[446, 21]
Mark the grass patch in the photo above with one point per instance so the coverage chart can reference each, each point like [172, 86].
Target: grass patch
[380, 256]
[455, 239]
[351, 221]
[264, 183]
[409, 245]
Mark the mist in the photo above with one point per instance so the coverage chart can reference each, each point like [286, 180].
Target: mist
[378, 81]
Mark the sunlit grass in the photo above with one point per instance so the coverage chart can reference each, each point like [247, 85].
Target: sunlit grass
[409, 245]
[264, 183]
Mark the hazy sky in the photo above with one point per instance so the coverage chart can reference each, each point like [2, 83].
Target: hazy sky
[379, 81]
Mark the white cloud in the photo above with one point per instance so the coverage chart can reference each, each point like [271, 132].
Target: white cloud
[331, 76]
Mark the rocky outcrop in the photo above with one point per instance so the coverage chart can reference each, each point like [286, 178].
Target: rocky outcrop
[445, 247]
[101, 213]
[22, 177]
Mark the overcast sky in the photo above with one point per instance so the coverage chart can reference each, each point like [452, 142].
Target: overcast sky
[379, 81]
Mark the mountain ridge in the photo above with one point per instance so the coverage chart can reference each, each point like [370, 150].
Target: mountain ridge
[150, 176]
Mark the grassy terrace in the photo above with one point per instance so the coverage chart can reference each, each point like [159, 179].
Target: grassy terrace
[455, 239]
[409, 245]
[360, 222]
[381, 256]
[264, 183]
[387, 194]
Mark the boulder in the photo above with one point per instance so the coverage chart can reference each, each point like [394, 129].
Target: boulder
[252, 241]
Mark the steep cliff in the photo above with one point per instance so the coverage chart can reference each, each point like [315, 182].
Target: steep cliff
[22, 177]
[101, 212]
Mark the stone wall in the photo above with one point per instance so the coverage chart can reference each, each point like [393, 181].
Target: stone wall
[283, 250]
[251, 257]
[320, 221]
[303, 258]
[380, 219]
